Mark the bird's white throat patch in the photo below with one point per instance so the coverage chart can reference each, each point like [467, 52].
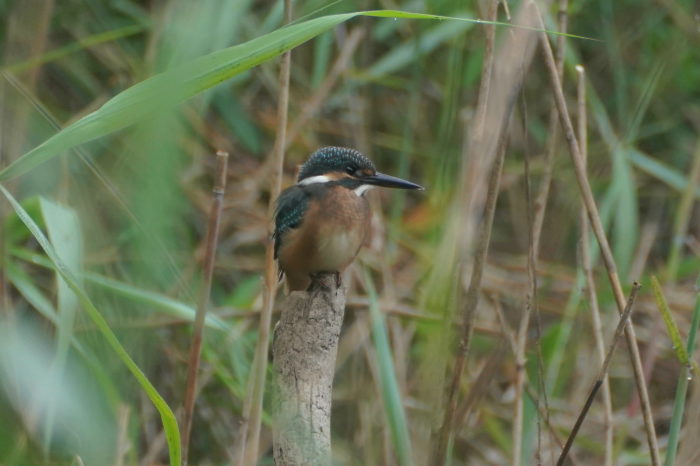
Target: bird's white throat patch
[362, 189]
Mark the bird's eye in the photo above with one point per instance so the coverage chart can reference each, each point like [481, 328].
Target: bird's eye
[350, 170]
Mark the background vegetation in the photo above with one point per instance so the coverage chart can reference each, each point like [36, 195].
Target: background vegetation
[126, 214]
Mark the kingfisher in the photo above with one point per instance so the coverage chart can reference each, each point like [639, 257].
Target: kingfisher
[322, 221]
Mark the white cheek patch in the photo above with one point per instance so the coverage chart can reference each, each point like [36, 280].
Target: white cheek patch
[362, 189]
[315, 179]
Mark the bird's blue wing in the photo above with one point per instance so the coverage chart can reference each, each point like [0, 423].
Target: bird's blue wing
[291, 206]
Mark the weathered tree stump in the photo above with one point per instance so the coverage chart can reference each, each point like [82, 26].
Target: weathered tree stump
[304, 350]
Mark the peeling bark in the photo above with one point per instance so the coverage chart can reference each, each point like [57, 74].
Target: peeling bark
[304, 350]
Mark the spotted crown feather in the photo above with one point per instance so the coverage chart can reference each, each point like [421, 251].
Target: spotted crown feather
[334, 159]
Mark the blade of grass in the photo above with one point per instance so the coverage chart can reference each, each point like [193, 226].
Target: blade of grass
[168, 418]
[682, 218]
[682, 387]
[167, 90]
[78, 45]
[389, 388]
[63, 229]
[149, 298]
[26, 287]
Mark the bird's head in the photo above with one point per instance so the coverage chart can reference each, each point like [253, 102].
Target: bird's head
[349, 168]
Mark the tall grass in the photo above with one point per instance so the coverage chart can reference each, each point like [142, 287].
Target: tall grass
[111, 113]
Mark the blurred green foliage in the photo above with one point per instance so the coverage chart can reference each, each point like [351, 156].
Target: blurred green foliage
[129, 211]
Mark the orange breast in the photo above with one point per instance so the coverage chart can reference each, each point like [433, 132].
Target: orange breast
[329, 238]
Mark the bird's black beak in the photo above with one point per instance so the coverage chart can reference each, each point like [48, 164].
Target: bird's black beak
[388, 181]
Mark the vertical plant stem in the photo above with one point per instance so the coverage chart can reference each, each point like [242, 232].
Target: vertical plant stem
[621, 326]
[682, 387]
[680, 224]
[471, 302]
[203, 301]
[252, 410]
[471, 299]
[596, 223]
[536, 214]
[530, 299]
[586, 265]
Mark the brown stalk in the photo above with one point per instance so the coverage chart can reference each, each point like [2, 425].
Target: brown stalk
[540, 208]
[483, 147]
[471, 302]
[622, 325]
[252, 409]
[530, 306]
[471, 299]
[203, 301]
[599, 232]
[588, 272]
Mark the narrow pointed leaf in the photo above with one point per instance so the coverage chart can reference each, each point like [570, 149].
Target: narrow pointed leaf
[172, 434]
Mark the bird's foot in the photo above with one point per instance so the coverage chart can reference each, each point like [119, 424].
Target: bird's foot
[321, 281]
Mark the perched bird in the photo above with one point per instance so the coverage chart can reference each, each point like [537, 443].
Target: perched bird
[322, 221]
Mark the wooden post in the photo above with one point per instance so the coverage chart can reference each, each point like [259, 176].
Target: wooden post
[304, 352]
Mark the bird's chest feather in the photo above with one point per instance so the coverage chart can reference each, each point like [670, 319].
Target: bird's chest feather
[343, 229]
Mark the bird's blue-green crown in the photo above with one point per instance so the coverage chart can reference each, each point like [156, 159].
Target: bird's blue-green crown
[335, 159]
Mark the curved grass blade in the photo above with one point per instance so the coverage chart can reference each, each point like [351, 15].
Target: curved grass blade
[389, 388]
[172, 434]
[164, 303]
[81, 44]
[165, 91]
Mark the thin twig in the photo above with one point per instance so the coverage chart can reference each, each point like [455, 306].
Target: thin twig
[596, 223]
[252, 410]
[587, 267]
[621, 326]
[540, 208]
[530, 300]
[198, 328]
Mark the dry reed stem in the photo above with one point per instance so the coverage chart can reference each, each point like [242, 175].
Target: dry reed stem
[252, 413]
[530, 306]
[471, 303]
[597, 225]
[621, 326]
[203, 301]
[587, 267]
[510, 67]
[471, 299]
